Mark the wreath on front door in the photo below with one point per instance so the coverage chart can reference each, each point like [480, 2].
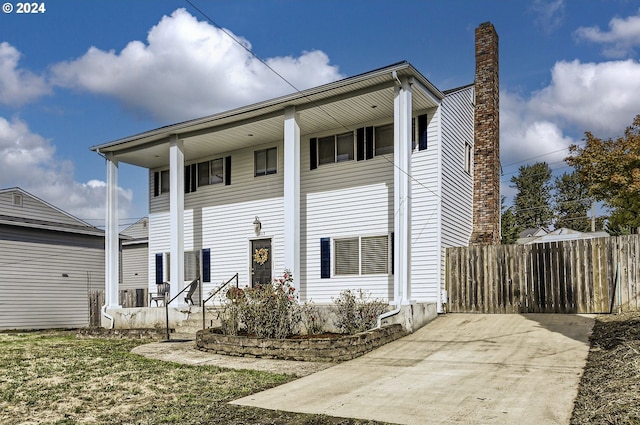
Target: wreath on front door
[261, 256]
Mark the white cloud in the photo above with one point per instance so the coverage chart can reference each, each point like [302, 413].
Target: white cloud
[550, 14]
[596, 97]
[621, 39]
[18, 86]
[188, 69]
[27, 160]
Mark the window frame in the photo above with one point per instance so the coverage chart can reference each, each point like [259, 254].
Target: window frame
[468, 158]
[267, 171]
[338, 153]
[362, 264]
[210, 175]
[165, 179]
[385, 149]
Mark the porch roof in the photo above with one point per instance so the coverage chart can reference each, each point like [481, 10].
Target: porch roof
[341, 105]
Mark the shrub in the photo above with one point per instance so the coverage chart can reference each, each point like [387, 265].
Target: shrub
[356, 312]
[312, 318]
[266, 311]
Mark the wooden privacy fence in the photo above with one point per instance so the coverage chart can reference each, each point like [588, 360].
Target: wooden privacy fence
[127, 298]
[582, 276]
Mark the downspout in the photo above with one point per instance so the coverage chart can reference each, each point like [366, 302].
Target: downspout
[390, 313]
[107, 315]
[399, 301]
[104, 307]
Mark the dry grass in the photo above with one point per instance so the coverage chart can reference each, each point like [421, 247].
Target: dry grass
[609, 391]
[57, 379]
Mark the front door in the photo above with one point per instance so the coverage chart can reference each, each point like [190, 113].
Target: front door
[260, 261]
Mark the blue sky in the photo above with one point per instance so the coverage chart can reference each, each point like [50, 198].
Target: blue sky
[84, 73]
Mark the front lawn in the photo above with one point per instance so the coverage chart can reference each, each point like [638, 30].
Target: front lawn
[52, 377]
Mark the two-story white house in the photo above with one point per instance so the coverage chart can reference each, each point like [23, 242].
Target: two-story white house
[357, 184]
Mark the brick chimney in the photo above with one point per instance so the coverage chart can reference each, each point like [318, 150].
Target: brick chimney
[486, 156]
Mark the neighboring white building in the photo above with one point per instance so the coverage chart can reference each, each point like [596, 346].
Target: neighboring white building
[49, 264]
[560, 235]
[357, 184]
[134, 272]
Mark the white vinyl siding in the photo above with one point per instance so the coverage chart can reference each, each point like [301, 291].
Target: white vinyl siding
[134, 272]
[220, 217]
[457, 182]
[46, 278]
[426, 210]
[343, 200]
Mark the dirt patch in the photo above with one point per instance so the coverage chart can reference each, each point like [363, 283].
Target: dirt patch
[609, 391]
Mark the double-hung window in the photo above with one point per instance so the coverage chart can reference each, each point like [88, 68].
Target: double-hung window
[336, 148]
[164, 181]
[211, 172]
[361, 255]
[266, 161]
[384, 139]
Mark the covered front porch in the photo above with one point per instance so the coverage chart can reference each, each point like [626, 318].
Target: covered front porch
[396, 92]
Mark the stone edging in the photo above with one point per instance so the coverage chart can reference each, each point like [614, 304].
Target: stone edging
[318, 349]
[150, 333]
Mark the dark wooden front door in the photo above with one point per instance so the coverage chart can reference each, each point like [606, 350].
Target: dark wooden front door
[260, 261]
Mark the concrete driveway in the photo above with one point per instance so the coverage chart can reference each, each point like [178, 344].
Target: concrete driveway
[459, 369]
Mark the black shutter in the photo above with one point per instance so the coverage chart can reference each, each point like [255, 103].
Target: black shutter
[313, 153]
[422, 132]
[159, 273]
[360, 147]
[325, 258]
[393, 261]
[156, 183]
[187, 179]
[227, 170]
[369, 142]
[194, 177]
[206, 264]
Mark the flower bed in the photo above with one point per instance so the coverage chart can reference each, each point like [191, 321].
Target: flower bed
[346, 347]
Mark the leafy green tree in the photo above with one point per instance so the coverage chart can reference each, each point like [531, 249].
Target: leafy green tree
[532, 206]
[610, 169]
[509, 229]
[571, 203]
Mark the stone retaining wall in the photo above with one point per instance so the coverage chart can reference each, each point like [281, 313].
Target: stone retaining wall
[305, 349]
[150, 334]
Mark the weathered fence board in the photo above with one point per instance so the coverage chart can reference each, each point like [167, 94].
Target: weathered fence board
[583, 276]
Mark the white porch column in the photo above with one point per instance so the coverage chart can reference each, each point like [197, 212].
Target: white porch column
[402, 192]
[112, 242]
[292, 194]
[176, 215]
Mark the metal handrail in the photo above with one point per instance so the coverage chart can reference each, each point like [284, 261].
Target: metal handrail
[220, 288]
[166, 304]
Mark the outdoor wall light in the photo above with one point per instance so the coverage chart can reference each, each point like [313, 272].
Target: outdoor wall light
[257, 226]
[65, 275]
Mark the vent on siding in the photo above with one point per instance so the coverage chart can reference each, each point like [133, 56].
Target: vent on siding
[17, 199]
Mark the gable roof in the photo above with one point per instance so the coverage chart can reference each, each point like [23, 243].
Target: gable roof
[340, 105]
[36, 213]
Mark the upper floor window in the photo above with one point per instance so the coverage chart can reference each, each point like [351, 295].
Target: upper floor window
[211, 172]
[336, 148]
[384, 139]
[17, 199]
[164, 181]
[468, 157]
[266, 161]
